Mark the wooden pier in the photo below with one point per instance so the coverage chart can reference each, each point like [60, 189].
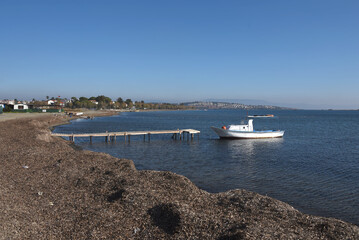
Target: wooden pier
[111, 136]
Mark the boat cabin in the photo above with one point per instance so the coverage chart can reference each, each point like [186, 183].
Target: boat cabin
[245, 128]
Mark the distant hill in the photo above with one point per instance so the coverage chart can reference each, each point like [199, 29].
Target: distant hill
[227, 105]
[242, 101]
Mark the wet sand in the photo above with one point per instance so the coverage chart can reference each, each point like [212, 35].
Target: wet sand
[51, 189]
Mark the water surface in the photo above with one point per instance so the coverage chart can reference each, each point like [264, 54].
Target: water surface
[315, 167]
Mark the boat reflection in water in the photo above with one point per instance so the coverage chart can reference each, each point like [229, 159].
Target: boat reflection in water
[251, 164]
[249, 148]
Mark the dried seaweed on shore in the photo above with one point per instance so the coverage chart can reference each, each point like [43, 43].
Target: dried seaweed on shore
[87, 195]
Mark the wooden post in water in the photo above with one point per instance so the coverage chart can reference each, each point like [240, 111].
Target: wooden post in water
[111, 136]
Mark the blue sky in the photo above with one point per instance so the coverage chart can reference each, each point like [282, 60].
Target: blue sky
[292, 53]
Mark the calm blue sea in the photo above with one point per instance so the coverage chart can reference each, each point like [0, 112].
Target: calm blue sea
[315, 167]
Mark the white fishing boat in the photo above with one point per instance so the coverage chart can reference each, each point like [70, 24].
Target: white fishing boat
[246, 132]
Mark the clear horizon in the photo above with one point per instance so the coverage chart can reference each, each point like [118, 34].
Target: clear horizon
[303, 54]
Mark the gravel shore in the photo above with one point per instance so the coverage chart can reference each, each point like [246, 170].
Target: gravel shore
[51, 189]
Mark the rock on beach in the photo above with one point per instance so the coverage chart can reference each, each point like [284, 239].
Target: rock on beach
[68, 193]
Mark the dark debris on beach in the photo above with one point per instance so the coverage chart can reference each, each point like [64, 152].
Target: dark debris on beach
[51, 190]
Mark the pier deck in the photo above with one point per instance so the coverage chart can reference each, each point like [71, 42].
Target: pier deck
[111, 136]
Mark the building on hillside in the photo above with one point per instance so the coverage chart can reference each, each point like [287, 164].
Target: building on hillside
[56, 102]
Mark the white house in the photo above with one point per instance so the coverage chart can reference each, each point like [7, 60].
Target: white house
[20, 106]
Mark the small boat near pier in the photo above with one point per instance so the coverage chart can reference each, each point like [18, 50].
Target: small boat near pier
[246, 132]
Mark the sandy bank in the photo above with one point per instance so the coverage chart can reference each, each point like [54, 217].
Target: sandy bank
[51, 190]
[12, 116]
[90, 113]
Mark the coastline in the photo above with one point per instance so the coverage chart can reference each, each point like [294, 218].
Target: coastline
[90, 113]
[52, 190]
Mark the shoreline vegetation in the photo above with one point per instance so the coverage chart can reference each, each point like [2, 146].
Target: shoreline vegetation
[93, 103]
[50, 189]
[106, 103]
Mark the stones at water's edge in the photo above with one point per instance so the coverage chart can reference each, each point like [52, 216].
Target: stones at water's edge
[94, 195]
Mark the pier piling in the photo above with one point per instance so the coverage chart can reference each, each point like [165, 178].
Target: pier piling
[178, 134]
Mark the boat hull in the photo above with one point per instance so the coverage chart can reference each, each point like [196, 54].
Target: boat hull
[224, 133]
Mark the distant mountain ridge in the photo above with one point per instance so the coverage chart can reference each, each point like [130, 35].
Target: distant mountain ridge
[242, 101]
[228, 105]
